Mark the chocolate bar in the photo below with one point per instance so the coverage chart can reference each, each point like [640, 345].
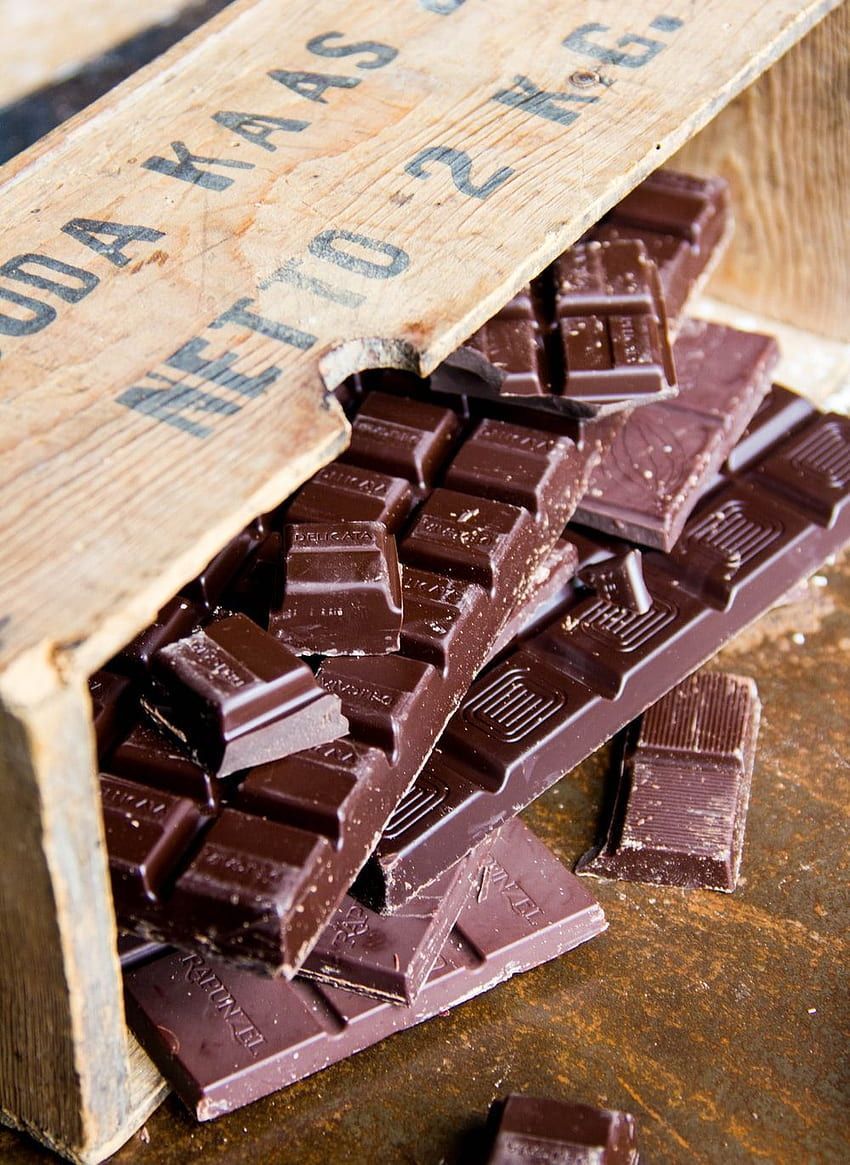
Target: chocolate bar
[665, 453]
[684, 223]
[560, 1132]
[683, 787]
[236, 697]
[342, 594]
[273, 859]
[573, 685]
[224, 1037]
[588, 337]
[546, 592]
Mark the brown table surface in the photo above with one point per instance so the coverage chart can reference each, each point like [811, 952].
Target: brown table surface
[720, 1021]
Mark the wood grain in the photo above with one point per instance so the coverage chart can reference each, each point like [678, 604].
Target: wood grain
[784, 145]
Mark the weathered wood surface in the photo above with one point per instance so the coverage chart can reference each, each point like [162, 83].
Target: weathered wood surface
[784, 145]
[123, 505]
[44, 40]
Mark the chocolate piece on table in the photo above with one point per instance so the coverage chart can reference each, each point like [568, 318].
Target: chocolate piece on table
[665, 454]
[391, 957]
[683, 221]
[237, 697]
[154, 757]
[177, 619]
[547, 705]
[683, 787]
[224, 1037]
[618, 580]
[112, 699]
[467, 555]
[545, 1131]
[342, 594]
[588, 337]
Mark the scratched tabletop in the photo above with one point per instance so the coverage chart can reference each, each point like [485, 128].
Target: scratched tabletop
[720, 1021]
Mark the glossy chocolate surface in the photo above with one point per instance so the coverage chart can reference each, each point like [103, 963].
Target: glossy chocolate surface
[545, 1131]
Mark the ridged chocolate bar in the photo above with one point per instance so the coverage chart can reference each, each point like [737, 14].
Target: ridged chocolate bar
[533, 1130]
[224, 1037]
[767, 524]
[683, 787]
[255, 872]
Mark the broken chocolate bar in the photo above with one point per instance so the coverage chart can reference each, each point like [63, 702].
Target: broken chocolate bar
[588, 337]
[665, 453]
[545, 706]
[560, 1132]
[683, 221]
[224, 1037]
[236, 697]
[683, 787]
[342, 594]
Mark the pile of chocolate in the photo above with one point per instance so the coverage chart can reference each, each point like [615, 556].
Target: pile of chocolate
[313, 760]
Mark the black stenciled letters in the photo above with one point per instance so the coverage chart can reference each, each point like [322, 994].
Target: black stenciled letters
[292, 274]
[85, 281]
[186, 170]
[525, 95]
[257, 128]
[312, 85]
[381, 54]
[460, 164]
[325, 246]
[88, 230]
[168, 404]
[239, 315]
[579, 41]
[41, 314]
[442, 7]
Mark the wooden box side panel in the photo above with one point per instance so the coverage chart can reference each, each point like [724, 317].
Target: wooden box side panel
[784, 144]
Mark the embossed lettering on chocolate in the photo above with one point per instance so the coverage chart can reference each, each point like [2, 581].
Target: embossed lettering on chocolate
[533, 1130]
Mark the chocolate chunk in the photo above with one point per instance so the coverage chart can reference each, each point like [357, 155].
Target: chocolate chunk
[406, 438]
[390, 958]
[618, 580]
[351, 493]
[209, 586]
[560, 1132]
[177, 619]
[258, 584]
[546, 592]
[112, 700]
[665, 454]
[596, 666]
[343, 590]
[158, 759]
[683, 787]
[224, 1037]
[683, 222]
[589, 336]
[237, 697]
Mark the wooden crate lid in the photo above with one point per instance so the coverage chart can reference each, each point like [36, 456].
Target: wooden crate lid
[302, 190]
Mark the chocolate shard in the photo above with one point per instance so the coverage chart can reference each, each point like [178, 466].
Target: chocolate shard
[661, 460]
[343, 590]
[391, 957]
[177, 619]
[157, 758]
[558, 1132]
[236, 697]
[683, 787]
[545, 706]
[112, 700]
[619, 580]
[210, 584]
[258, 584]
[224, 1037]
[684, 223]
[588, 337]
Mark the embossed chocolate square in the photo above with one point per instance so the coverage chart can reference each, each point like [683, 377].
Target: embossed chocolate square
[561, 1132]
[237, 697]
[342, 594]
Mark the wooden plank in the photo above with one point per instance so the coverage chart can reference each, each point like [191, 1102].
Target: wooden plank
[122, 505]
[43, 42]
[784, 145]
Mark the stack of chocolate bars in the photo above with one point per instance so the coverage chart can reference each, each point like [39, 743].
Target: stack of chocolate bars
[313, 760]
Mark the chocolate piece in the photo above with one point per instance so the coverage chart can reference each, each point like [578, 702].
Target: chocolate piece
[350, 493]
[224, 1037]
[684, 222]
[208, 587]
[177, 619]
[112, 700]
[158, 759]
[665, 453]
[560, 1132]
[240, 698]
[546, 592]
[258, 585]
[557, 697]
[343, 590]
[588, 337]
[133, 950]
[683, 787]
[405, 438]
[619, 581]
[390, 958]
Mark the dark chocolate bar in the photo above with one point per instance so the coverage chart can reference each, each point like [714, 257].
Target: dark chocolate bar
[546, 592]
[547, 705]
[589, 336]
[683, 221]
[541, 1131]
[236, 697]
[223, 1036]
[683, 787]
[665, 453]
[342, 594]
[485, 502]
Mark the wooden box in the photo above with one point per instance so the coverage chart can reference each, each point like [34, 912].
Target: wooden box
[292, 194]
